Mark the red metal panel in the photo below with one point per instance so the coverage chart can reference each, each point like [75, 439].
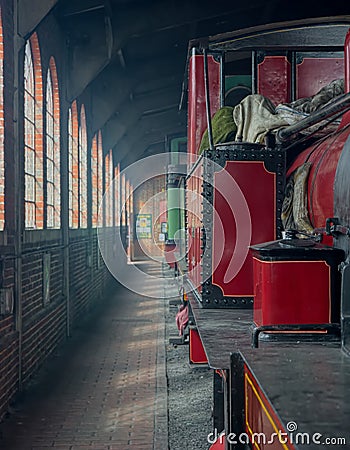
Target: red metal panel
[321, 179]
[169, 255]
[314, 73]
[274, 79]
[193, 210]
[283, 294]
[258, 188]
[190, 227]
[324, 157]
[197, 121]
[219, 444]
[197, 352]
[345, 119]
[262, 422]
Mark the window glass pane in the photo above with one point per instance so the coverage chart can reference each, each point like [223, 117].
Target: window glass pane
[29, 162]
[50, 217]
[30, 215]
[30, 188]
[49, 148]
[50, 176]
[50, 195]
[29, 133]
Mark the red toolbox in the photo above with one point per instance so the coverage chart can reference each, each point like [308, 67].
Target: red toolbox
[296, 281]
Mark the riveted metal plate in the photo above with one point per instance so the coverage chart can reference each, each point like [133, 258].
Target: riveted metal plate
[274, 162]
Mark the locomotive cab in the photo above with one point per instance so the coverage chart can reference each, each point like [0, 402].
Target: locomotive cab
[281, 130]
[268, 163]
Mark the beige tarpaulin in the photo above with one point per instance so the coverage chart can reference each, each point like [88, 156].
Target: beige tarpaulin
[294, 210]
[255, 117]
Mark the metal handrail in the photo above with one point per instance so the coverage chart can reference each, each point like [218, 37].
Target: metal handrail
[339, 105]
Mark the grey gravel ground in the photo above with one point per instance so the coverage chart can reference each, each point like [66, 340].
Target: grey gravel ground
[189, 393]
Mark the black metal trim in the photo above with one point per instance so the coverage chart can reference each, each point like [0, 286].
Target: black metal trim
[293, 87]
[237, 405]
[345, 307]
[222, 80]
[315, 34]
[218, 402]
[213, 298]
[333, 329]
[274, 161]
[254, 72]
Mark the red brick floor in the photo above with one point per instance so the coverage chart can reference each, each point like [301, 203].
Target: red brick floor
[107, 389]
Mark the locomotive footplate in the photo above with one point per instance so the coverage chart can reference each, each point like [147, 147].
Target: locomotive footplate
[222, 332]
[284, 391]
[218, 343]
[275, 393]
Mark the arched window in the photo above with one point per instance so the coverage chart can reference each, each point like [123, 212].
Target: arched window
[96, 180]
[2, 131]
[108, 201]
[83, 169]
[73, 166]
[94, 209]
[128, 200]
[100, 175]
[123, 200]
[117, 196]
[33, 143]
[53, 190]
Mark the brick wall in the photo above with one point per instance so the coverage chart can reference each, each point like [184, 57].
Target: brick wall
[38, 324]
[8, 335]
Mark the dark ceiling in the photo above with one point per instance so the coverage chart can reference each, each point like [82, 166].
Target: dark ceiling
[130, 56]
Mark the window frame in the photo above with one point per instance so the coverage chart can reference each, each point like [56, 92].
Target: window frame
[52, 155]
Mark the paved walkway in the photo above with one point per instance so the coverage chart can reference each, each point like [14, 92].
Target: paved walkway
[107, 389]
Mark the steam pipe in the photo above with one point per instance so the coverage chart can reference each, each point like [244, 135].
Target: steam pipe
[339, 105]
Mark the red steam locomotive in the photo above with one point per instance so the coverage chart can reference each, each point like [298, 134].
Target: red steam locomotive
[267, 278]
